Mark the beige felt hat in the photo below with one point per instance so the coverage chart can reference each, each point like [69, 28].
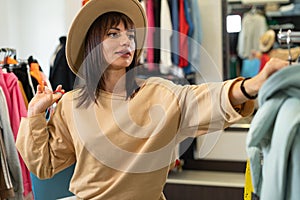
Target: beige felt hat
[267, 41]
[89, 13]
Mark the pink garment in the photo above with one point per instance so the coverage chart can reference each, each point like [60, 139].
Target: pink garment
[17, 109]
[5, 90]
[183, 39]
[150, 37]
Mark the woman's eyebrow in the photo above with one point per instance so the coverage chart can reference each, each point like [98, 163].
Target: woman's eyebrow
[115, 28]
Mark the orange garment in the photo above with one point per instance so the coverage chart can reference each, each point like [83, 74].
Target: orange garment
[84, 2]
[9, 60]
[35, 72]
[23, 93]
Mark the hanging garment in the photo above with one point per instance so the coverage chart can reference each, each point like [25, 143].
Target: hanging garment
[183, 39]
[60, 73]
[175, 34]
[197, 35]
[143, 54]
[17, 110]
[157, 32]
[188, 15]
[35, 72]
[263, 60]
[11, 151]
[24, 77]
[83, 2]
[254, 25]
[273, 141]
[23, 94]
[150, 37]
[250, 67]
[165, 38]
[6, 187]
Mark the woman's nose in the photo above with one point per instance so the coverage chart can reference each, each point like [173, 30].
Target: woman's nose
[124, 40]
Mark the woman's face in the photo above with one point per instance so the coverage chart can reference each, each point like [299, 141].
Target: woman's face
[119, 46]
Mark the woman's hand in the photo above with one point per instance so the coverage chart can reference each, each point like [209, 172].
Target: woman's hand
[273, 65]
[43, 99]
[253, 85]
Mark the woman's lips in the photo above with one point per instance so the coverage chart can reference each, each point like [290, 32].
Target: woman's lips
[125, 54]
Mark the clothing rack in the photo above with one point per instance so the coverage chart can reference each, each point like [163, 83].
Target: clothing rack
[288, 37]
[285, 26]
[10, 53]
[11, 67]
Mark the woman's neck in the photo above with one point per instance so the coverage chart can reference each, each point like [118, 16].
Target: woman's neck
[114, 81]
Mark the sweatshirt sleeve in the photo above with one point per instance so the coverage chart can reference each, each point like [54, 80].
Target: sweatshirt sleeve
[206, 108]
[45, 148]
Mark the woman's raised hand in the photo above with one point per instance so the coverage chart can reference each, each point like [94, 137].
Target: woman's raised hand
[43, 99]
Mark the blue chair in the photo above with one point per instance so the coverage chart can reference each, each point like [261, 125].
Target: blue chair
[53, 188]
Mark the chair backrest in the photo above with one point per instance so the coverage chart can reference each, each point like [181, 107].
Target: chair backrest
[53, 188]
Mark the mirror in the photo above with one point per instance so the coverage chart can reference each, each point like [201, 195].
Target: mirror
[244, 23]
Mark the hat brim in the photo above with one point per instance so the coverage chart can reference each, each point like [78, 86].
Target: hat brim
[270, 37]
[88, 14]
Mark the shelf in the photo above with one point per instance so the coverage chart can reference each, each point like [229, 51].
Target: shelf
[207, 178]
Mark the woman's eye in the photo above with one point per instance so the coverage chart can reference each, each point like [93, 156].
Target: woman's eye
[131, 36]
[113, 35]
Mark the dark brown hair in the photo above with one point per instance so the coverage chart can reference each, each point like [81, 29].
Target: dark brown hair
[95, 64]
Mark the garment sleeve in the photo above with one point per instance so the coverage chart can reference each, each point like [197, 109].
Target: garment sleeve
[45, 148]
[206, 108]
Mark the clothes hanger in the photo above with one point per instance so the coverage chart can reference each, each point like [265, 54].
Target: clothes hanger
[9, 61]
[288, 37]
[253, 9]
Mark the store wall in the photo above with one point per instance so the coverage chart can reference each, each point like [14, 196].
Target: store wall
[33, 27]
[211, 67]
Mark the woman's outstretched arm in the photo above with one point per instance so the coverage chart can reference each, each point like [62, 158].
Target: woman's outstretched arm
[252, 86]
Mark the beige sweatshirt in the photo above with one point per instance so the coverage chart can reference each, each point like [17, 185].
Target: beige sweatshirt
[123, 149]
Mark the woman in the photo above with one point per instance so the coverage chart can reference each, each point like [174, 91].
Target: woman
[120, 131]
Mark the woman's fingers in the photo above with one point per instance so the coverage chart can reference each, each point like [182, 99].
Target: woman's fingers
[43, 87]
[39, 89]
[59, 87]
[274, 65]
[57, 94]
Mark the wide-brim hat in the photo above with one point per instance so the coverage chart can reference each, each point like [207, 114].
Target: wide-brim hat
[266, 41]
[75, 45]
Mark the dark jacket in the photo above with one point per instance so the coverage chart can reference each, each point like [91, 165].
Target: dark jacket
[60, 73]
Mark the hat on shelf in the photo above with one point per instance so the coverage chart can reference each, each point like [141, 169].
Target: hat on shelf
[266, 41]
[271, 7]
[75, 45]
